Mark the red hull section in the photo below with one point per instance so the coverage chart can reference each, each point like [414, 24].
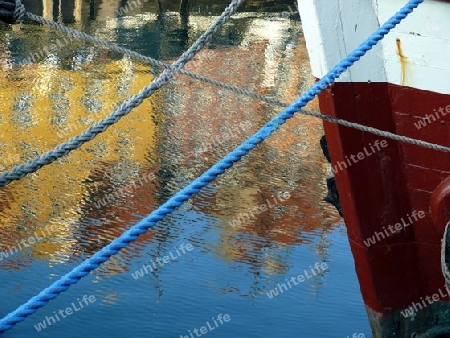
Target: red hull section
[390, 186]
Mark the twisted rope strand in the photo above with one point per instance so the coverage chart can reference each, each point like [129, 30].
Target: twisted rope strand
[76, 142]
[19, 11]
[11, 11]
[194, 187]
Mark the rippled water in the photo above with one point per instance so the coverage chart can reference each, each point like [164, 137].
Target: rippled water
[258, 225]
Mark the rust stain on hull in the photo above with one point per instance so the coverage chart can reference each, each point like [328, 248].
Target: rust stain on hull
[403, 62]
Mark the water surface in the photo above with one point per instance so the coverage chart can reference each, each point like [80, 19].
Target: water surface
[246, 240]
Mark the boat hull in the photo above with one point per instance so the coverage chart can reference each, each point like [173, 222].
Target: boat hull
[385, 191]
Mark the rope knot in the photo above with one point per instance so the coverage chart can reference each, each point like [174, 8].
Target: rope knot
[11, 11]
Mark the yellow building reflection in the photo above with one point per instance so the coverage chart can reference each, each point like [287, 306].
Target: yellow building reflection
[44, 105]
[46, 102]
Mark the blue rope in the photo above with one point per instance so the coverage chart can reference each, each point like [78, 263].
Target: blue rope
[219, 168]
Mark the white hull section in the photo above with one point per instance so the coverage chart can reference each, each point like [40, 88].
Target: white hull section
[415, 54]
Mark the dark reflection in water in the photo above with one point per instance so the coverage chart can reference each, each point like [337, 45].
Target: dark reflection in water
[245, 240]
